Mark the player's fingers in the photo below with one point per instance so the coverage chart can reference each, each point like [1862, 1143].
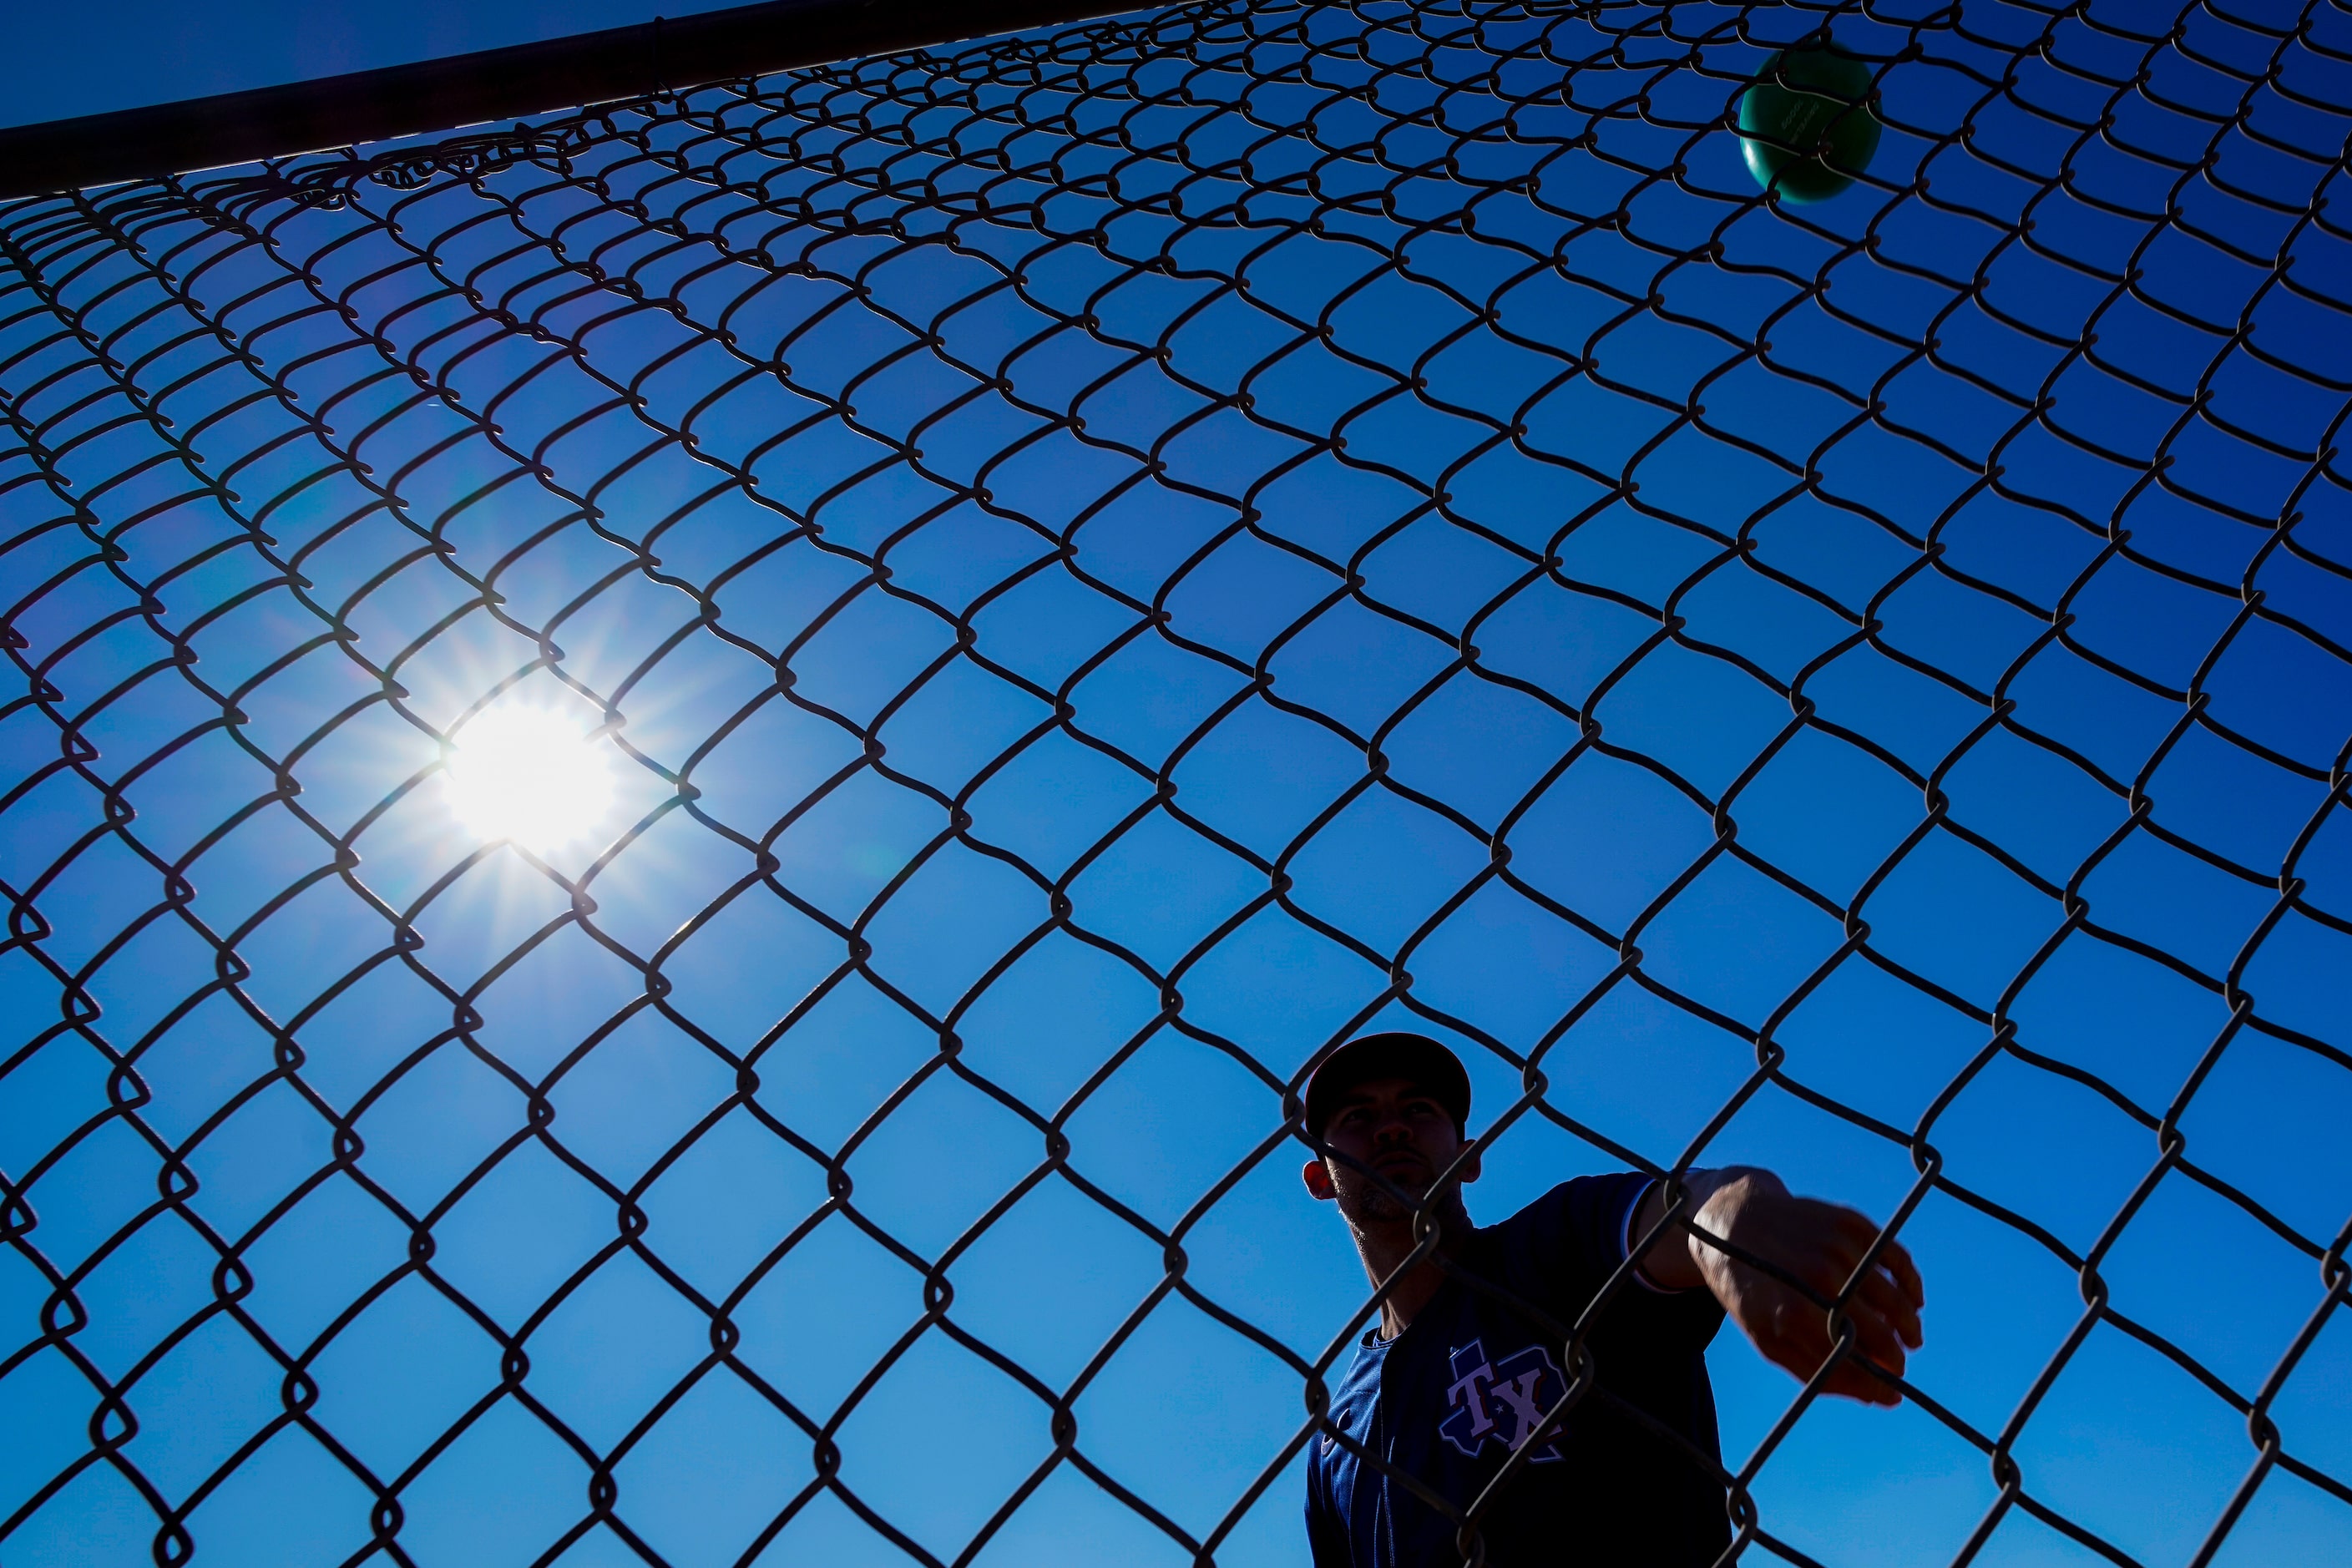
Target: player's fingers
[1877, 1336]
[1882, 1294]
[1851, 1378]
[1797, 1336]
[1795, 1328]
[1801, 1346]
[1878, 1340]
[1892, 1258]
[1896, 1260]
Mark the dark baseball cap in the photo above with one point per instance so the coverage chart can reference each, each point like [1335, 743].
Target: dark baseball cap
[1396, 1053]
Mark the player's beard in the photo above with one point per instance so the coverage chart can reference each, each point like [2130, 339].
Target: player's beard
[1370, 1201]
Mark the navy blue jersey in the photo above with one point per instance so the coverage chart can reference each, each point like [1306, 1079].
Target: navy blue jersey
[1446, 1401]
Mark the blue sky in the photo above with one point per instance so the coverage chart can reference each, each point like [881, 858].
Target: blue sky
[922, 422]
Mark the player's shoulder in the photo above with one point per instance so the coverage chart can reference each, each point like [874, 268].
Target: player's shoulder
[1578, 1199]
[1583, 1217]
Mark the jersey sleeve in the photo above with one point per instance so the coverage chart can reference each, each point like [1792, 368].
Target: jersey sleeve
[1567, 1244]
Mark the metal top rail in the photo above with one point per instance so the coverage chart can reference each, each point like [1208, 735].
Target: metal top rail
[494, 84]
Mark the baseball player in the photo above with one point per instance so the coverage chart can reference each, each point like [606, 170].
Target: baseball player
[1458, 1374]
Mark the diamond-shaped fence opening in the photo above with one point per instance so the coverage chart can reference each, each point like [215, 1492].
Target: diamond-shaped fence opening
[1036, 587]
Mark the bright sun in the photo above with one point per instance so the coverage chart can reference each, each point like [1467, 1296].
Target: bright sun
[528, 774]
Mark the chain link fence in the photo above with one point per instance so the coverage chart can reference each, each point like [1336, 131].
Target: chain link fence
[1047, 584]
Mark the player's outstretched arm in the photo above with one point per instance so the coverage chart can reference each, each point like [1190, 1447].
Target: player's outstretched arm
[1819, 1243]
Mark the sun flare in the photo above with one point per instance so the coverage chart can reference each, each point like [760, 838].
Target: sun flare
[528, 774]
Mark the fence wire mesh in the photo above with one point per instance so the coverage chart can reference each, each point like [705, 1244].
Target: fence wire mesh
[1092, 566]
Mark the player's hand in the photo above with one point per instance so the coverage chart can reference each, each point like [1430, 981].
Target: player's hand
[1818, 1243]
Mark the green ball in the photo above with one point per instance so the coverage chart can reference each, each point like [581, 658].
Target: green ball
[1806, 125]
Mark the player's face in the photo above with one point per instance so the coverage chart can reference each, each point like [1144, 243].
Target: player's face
[1399, 1130]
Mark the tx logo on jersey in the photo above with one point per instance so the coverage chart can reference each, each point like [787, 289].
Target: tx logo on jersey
[1502, 1400]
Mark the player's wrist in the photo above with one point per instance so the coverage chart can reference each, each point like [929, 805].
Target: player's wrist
[1724, 1203]
[1665, 1263]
